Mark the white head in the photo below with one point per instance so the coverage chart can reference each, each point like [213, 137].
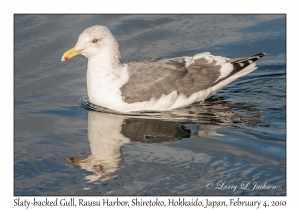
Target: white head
[93, 41]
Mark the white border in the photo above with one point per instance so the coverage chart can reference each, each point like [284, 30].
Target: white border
[154, 6]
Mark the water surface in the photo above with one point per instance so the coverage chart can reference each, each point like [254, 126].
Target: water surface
[61, 147]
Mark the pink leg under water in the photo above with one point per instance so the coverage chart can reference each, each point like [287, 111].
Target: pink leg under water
[216, 106]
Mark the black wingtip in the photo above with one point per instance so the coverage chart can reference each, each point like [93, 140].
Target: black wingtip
[260, 55]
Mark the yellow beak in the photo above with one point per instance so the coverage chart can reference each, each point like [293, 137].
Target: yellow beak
[70, 53]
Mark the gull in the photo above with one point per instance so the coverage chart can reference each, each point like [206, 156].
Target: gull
[155, 84]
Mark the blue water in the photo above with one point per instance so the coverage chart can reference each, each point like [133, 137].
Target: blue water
[63, 147]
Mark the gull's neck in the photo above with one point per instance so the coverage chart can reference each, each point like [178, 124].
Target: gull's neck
[104, 67]
[105, 60]
[103, 77]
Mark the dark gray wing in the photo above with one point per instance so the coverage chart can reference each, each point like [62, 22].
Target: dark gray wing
[154, 77]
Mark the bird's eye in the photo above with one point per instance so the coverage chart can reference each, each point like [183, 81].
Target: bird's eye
[95, 41]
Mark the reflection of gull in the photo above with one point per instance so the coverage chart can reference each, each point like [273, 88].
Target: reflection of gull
[208, 131]
[152, 84]
[108, 132]
[105, 142]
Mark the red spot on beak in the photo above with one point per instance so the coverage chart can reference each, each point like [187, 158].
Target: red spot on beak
[73, 159]
[67, 58]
